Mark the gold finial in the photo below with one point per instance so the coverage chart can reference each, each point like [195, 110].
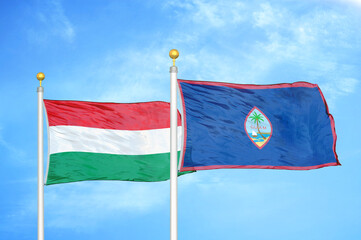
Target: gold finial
[173, 54]
[40, 76]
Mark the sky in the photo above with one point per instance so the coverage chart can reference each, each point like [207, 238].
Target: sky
[117, 51]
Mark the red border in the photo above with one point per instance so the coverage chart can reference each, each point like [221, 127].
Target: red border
[252, 86]
[255, 86]
[258, 167]
[333, 128]
[181, 169]
[247, 132]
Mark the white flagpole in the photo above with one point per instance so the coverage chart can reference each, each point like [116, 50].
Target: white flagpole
[173, 148]
[40, 76]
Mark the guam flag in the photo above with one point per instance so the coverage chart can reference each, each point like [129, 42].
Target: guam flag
[280, 126]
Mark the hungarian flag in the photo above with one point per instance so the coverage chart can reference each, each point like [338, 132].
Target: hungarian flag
[280, 126]
[108, 141]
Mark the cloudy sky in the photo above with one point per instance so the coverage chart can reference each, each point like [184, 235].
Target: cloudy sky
[118, 51]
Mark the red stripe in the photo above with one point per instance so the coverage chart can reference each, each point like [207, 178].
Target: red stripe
[120, 116]
[183, 169]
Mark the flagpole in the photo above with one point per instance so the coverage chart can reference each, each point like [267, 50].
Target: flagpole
[40, 76]
[173, 148]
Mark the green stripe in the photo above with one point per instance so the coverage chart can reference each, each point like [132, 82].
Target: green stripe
[81, 166]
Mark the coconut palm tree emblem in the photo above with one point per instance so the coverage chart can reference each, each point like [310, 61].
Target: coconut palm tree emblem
[258, 127]
[257, 118]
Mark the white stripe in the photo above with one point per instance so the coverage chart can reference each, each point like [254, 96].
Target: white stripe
[96, 140]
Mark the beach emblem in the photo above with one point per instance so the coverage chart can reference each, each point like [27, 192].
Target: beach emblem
[258, 127]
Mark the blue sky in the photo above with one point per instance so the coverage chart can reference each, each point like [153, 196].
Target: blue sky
[118, 51]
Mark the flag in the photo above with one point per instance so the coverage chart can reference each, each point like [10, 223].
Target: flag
[280, 126]
[108, 141]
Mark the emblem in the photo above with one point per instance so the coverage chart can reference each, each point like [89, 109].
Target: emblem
[258, 127]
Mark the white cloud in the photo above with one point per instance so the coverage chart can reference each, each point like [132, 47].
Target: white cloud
[13, 151]
[52, 22]
[211, 13]
[267, 16]
[312, 44]
[348, 85]
[305, 41]
[135, 75]
[352, 2]
[83, 205]
[214, 186]
[335, 88]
